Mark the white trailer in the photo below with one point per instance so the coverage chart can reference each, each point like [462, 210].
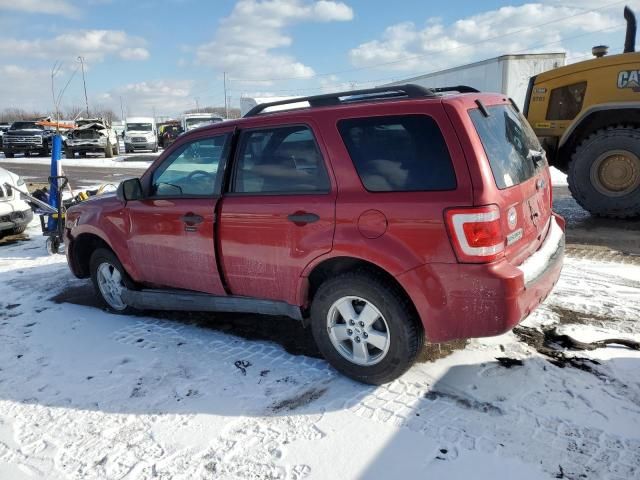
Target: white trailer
[507, 74]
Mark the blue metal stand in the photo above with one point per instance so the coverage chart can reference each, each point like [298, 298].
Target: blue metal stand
[55, 196]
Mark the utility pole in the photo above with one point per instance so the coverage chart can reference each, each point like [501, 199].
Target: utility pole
[197, 105]
[121, 109]
[226, 101]
[86, 100]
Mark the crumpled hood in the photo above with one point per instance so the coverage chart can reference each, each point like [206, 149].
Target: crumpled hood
[8, 177]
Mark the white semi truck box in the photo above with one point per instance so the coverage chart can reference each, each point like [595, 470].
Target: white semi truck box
[507, 74]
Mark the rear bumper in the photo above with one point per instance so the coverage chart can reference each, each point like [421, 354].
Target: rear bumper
[13, 220]
[458, 301]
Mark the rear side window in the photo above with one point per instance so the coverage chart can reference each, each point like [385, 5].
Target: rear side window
[399, 154]
[283, 160]
[509, 143]
[566, 102]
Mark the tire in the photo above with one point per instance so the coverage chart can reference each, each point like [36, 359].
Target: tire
[82, 154]
[9, 154]
[102, 266]
[601, 194]
[395, 320]
[69, 153]
[44, 153]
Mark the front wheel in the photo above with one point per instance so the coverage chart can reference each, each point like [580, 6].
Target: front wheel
[109, 280]
[365, 327]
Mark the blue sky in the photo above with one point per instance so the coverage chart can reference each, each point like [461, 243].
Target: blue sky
[164, 55]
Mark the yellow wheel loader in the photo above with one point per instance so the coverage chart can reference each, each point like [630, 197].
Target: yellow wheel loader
[587, 117]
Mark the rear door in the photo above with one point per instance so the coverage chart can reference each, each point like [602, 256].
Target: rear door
[521, 174]
[279, 213]
[172, 235]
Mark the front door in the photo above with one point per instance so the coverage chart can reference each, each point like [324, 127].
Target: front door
[279, 213]
[172, 234]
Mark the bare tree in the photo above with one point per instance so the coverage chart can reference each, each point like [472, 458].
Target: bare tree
[9, 115]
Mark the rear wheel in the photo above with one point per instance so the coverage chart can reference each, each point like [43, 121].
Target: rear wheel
[604, 173]
[9, 154]
[109, 280]
[365, 327]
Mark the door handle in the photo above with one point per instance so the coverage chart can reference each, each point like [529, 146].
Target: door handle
[302, 218]
[192, 219]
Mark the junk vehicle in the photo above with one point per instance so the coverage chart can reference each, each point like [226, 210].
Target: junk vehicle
[587, 117]
[27, 137]
[140, 134]
[91, 135]
[378, 217]
[169, 135]
[15, 214]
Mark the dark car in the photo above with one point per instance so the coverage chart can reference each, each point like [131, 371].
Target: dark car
[379, 217]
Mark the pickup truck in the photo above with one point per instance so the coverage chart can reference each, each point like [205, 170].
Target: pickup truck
[378, 217]
[27, 137]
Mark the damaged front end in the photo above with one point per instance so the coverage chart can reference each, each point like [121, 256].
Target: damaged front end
[91, 137]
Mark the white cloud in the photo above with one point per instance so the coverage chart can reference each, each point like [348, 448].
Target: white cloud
[165, 96]
[134, 53]
[94, 45]
[243, 44]
[49, 7]
[26, 88]
[409, 47]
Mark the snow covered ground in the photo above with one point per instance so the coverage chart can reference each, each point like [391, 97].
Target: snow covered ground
[85, 394]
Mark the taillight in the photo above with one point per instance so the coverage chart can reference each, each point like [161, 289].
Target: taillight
[476, 233]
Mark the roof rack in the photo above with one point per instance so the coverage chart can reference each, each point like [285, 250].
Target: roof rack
[339, 98]
[379, 93]
[457, 88]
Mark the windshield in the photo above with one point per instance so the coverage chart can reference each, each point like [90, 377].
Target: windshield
[196, 122]
[139, 127]
[510, 144]
[25, 126]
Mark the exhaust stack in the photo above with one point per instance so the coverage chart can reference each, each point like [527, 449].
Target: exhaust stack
[630, 39]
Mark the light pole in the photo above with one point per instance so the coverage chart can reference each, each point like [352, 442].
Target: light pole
[86, 101]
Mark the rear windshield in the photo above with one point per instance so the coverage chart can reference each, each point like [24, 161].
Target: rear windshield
[510, 144]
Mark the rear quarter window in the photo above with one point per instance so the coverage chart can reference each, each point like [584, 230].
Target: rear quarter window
[399, 153]
[509, 143]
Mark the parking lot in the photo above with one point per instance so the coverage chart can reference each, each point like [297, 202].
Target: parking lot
[88, 394]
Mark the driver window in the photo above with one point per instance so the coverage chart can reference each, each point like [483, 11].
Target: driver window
[191, 169]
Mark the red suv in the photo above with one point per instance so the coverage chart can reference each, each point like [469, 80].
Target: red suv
[379, 217]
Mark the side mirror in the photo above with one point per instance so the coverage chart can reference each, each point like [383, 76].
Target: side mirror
[130, 190]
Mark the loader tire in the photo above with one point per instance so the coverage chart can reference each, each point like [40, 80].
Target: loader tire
[604, 172]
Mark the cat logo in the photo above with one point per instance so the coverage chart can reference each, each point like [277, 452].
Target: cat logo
[629, 79]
